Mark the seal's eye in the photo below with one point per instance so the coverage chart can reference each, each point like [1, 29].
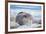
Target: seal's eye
[25, 16]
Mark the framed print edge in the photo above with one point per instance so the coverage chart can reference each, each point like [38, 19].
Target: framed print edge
[6, 16]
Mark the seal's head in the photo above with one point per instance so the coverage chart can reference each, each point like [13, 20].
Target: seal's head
[23, 18]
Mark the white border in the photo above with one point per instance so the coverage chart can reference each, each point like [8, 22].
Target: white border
[10, 30]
